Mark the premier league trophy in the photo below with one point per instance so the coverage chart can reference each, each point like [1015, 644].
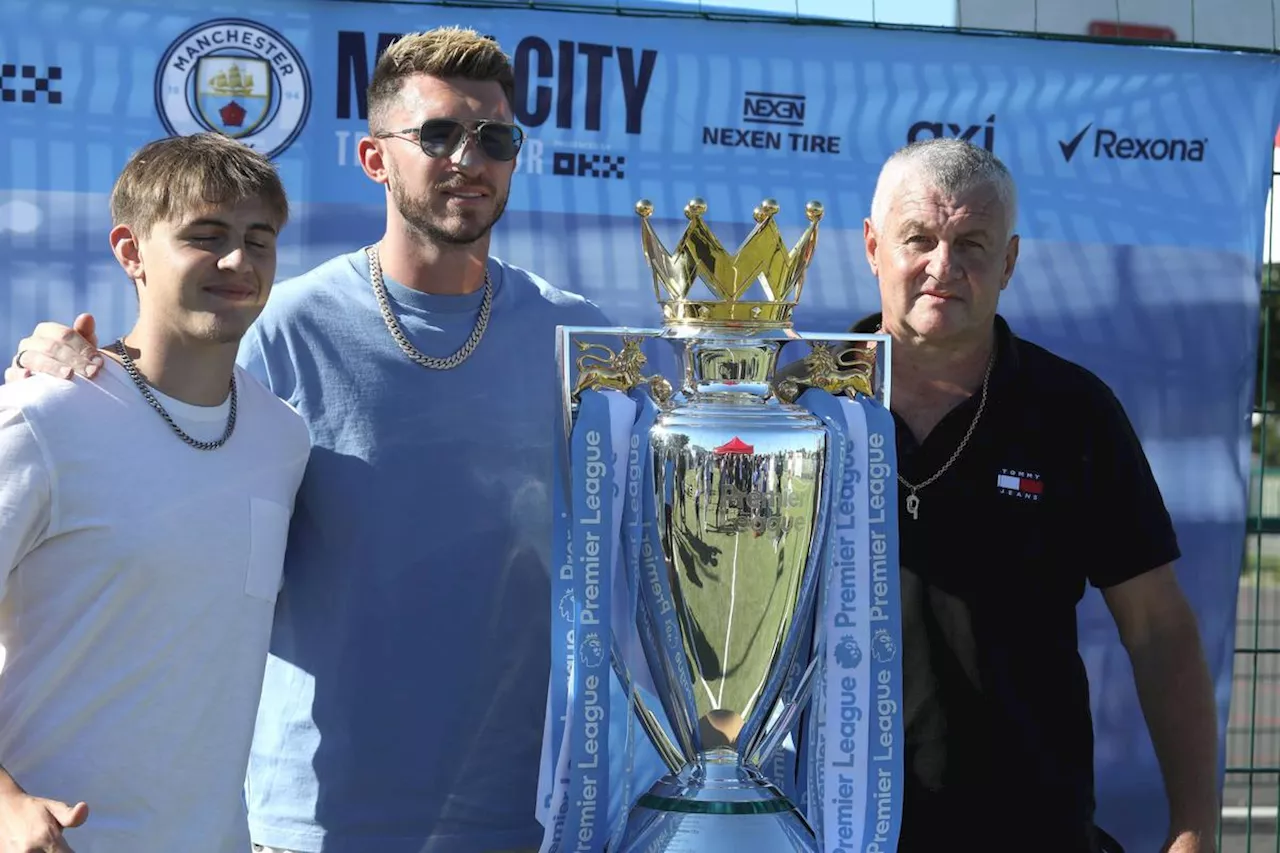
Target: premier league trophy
[728, 567]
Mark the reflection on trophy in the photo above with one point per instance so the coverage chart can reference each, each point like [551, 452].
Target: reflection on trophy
[737, 479]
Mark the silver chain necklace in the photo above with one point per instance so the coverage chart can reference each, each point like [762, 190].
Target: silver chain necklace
[913, 500]
[393, 325]
[132, 369]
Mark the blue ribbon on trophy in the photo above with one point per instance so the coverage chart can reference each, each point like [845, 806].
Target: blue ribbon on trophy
[598, 443]
[854, 751]
[884, 806]
[552, 779]
[629, 643]
[732, 555]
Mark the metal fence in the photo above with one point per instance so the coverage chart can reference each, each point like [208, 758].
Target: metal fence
[1251, 790]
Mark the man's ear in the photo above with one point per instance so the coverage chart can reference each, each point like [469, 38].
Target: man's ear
[125, 246]
[372, 160]
[1010, 260]
[871, 242]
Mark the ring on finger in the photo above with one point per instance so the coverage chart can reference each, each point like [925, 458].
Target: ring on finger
[17, 360]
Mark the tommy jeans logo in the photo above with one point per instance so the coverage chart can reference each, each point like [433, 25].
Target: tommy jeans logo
[1020, 484]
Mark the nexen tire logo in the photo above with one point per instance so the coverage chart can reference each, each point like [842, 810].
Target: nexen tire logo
[1107, 143]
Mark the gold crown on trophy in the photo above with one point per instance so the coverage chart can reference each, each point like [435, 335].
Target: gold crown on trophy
[763, 258]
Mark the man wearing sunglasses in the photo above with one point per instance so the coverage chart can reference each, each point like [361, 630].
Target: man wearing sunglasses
[403, 701]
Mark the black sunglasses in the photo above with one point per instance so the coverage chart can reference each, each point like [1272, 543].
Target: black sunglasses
[440, 137]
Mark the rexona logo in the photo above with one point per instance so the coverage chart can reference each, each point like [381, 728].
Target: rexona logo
[979, 134]
[1111, 145]
[763, 113]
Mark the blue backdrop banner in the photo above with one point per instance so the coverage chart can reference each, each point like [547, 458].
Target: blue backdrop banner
[1143, 174]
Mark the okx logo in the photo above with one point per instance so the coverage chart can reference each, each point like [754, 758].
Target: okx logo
[24, 84]
[580, 165]
[1109, 144]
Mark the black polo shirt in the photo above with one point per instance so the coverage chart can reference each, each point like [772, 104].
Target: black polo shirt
[1053, 492]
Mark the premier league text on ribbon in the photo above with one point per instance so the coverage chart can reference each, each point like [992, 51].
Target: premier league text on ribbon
[593, 712]
[886, 705]
[861, 766]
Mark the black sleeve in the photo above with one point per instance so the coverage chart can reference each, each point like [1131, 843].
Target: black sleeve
[1123, 513]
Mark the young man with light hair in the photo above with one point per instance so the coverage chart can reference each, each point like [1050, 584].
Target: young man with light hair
[143, 521]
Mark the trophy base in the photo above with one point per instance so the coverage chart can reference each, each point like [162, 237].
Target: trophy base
[717, 805]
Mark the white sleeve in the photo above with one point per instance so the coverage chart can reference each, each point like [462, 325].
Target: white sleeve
[26, 496]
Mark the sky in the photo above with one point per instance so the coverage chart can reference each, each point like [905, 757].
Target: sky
[929, 12]
[924, 12]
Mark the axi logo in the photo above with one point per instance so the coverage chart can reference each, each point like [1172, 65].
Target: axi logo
[983, 134]
[1111, 145]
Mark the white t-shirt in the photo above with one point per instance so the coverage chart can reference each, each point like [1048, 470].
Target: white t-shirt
[138, 579]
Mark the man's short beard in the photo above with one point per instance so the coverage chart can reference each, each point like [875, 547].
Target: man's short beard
[414, 212]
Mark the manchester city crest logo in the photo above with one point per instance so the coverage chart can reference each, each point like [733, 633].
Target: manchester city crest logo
[238, 78]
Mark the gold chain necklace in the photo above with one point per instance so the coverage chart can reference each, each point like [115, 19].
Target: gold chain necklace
[913, 500]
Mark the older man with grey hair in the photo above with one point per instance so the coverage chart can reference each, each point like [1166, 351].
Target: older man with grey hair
[1021, 482]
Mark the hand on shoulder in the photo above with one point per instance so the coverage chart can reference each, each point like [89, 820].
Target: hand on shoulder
[57, 350]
